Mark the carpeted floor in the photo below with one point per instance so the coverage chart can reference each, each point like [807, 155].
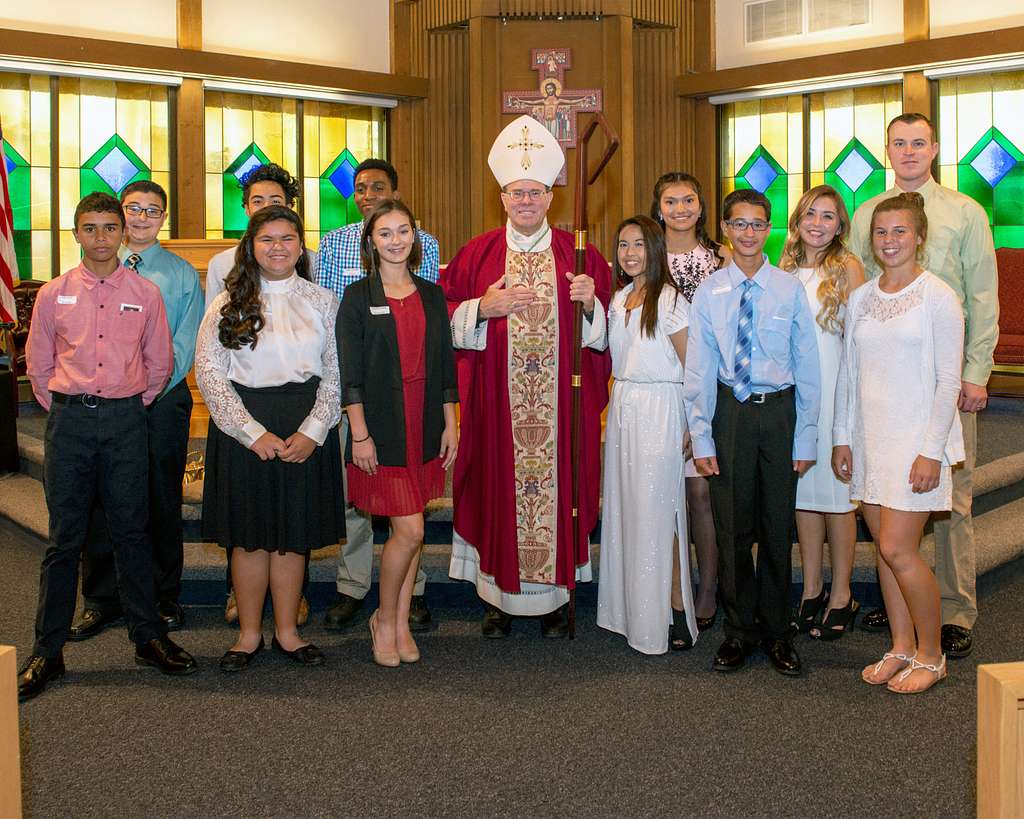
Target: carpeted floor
[523, 727]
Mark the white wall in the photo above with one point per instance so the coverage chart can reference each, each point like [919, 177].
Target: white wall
[885, 28]
[343, 33]
[948, 17]
[152, 22]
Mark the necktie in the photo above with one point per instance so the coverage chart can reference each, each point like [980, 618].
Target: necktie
[133, 261]
[744, 344]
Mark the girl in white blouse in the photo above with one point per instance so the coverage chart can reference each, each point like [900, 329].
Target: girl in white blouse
[897, 433]
[267, 366]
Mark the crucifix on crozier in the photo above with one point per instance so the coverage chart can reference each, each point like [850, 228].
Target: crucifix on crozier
[553, 105]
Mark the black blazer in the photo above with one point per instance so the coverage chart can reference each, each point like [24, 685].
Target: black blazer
[371, 372]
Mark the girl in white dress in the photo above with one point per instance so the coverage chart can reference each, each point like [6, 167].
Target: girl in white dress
[816, 253]
[645, 566]
[897, 431]
[678, 206]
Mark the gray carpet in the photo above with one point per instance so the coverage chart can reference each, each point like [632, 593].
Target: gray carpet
[523, 727]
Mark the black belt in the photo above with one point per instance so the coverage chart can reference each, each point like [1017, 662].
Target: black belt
[759, 397]
[90, 401]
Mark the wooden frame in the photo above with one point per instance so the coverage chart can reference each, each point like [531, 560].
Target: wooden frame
[1000, 740]
[10, 739]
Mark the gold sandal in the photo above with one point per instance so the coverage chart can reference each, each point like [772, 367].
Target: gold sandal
[903, 658]
[938, 670]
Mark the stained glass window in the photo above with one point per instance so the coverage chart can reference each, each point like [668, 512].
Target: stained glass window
[847, 140]
[25, 116]
[110, 133]
[762, 148]
[981, 146]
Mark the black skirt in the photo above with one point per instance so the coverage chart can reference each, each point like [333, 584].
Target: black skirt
[273, 505]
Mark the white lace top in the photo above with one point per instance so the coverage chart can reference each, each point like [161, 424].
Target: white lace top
[296, 343]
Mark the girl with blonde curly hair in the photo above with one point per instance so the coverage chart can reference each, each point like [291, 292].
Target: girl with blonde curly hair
[816, 252]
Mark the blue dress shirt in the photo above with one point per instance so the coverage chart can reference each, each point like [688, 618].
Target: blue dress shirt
[784, 354]
[183, 301]
[340, 264]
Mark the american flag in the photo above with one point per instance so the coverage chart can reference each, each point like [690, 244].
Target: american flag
[8, 259]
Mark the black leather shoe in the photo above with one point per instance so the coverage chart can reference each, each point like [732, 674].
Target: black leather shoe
[165, 656]
[419, 614]
[556, 624]
[37, 674]
[782, 656]
[875, 620]
[341, 613]
[233, 661]
[91, 623]
[496, 623]
[172, 614]
[957, 641]
[731, 655]
[308, 654]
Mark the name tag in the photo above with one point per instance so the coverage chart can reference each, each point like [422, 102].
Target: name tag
[67, 299]
[722, 288]
[131, 308]
[379, 311]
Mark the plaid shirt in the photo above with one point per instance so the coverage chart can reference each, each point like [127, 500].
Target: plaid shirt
[340, 264]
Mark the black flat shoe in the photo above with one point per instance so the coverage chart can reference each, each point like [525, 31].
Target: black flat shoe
[419, 614]
[875, 620]
[91, 623]
[782, 656]
[233, 661]
[37, 674]
[704, 623]
[810, 608]
[341, 613]
[165, 656]
[555, 625]
[731, 655]
[837, 622]
[679, 633]
[496, 624]
[957, 641]
[308, 654]
[172, 614]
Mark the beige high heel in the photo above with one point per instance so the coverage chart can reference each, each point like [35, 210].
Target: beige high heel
[388, 659]
[409, 656]
[937, 669]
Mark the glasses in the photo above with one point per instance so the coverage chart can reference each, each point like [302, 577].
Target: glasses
[741, 225]
[533, 195]
[153, 212]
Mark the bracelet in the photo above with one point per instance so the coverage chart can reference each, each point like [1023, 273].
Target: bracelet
[360, 440]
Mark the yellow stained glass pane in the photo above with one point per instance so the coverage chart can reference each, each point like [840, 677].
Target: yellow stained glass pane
[70, 253]
[312, 238]
[134, 120]
[238, 126]
[332, 139]
[838, 122]
[290, 138]
[15, 111]
[311, 202]
[40, 186]
[796, 135]
[948, 176]
[42, 263]
[974, 110]
[68, 186]
[159, 133]
[359, 130]
[98, 107]
[817, 178]
[68, 109]
[816, 133]
[266, 127]
[747, 134]
[1008, 105]
[41, 127]
[774, 130]
[947, 122]
[214, 206]
[311, 140]
[727, 162]
[796, 190]
[869, 119]
[893, 107]
[379, 132]
[213, 120]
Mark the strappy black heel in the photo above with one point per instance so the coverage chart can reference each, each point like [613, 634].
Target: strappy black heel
[679, 633]
[809, 611]
[837, 622]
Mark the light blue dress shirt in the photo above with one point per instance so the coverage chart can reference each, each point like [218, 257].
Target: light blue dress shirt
[784, 354]
[183, 300]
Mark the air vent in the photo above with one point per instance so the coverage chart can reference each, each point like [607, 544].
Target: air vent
[823, 15]
[774, 19]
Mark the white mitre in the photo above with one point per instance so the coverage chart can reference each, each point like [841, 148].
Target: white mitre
[525, 149]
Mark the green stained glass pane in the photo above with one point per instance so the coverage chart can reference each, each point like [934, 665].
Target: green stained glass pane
[111, 168]
[1008, 196]
[873, 185]
[333, 207]
[971, 183]
[776, 241]
[19, 186]
[848, 196]
[354, 214]
[235, 218]
[23, 253]
[1009, 235]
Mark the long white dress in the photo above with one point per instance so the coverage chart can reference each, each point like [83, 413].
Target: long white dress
[643, 503]
[818, 490]
[896, 397]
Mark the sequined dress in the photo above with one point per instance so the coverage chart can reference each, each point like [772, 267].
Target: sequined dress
[643, 502]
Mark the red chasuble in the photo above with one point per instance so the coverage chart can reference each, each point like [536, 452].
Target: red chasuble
[484, 480]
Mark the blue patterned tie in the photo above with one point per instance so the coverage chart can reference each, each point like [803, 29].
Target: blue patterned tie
[744, 344]
[132, 261]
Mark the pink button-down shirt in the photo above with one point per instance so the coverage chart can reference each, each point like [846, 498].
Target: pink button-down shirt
[106, 337]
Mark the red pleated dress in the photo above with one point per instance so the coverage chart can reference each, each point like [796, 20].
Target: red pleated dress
[404, 490]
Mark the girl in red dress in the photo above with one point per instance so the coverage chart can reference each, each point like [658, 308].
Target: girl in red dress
[400, 390]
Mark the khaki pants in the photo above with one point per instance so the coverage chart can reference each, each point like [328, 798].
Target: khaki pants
[954, 539]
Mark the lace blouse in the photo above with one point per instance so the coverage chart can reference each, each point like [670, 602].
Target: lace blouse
[296, 343]
[689, 269]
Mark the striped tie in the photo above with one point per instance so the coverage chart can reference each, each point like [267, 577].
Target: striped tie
[744, 343]
[133, 261]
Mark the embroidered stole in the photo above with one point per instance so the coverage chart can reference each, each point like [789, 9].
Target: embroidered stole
[533, 401]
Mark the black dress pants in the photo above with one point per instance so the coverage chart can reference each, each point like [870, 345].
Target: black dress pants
[753, 500]
[95, 452]
[168, 421]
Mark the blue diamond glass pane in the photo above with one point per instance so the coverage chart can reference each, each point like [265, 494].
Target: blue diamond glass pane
[344, 178]
[116, 169]
[854, 170]
[761, 175]
[993, 163]
[9, 163]
[252, 162]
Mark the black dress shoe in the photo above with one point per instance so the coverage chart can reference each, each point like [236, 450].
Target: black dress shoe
[37, 673]
[91, 623]
[172, 614]
[308, 654]
[875, 620]
[233, 661]
[341, 613]
[731, 655]
[556, 624]
[782, 656]
[496, 624]
[419, 614]
[957, 641]
[165, 656]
